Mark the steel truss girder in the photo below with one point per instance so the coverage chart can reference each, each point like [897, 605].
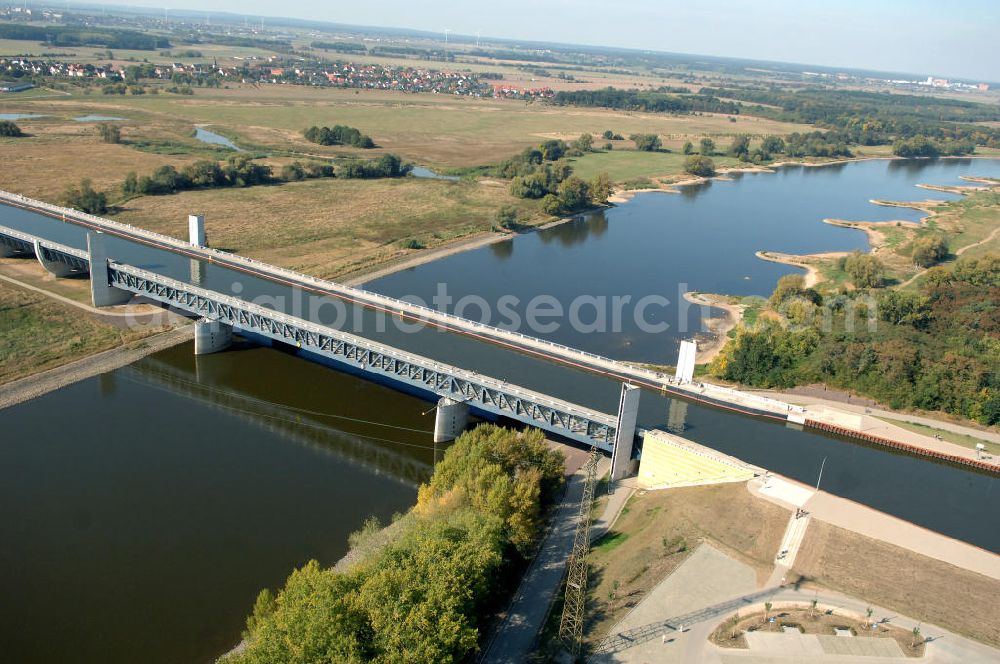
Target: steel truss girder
[481, 392]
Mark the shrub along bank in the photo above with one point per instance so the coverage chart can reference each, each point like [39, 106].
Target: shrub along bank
[425, 597]
[935, 349]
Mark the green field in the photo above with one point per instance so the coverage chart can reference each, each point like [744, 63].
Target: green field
[40, 334]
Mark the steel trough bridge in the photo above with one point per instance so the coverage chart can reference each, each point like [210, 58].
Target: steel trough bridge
[362, 355]
[115, 282]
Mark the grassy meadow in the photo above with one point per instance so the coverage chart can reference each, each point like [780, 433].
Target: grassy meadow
[41, 334]
[434, 130]
[329, 227]
[333, 227]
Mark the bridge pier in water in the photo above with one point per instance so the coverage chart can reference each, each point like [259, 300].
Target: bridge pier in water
[212, 336]
[102, 293]
[450, 419]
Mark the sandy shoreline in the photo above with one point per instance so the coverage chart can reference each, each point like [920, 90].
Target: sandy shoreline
[804, 261]
[468, 243]
[624, 195]
[427, 256]
[718, 327]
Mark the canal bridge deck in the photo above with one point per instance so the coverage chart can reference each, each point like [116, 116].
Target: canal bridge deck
[624, 371]
[483, 393]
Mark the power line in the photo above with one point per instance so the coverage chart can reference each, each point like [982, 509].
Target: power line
[574, 606]
[301, 423]
[306, 411]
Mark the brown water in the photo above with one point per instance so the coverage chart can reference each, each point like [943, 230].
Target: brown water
[144, 509]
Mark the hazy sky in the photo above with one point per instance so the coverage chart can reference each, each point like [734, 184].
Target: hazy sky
[940, 37]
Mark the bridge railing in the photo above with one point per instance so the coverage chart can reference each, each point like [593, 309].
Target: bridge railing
[48, 244]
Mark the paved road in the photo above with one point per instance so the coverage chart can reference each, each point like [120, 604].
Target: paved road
[514, 639]
[865, 407]
[710, 586]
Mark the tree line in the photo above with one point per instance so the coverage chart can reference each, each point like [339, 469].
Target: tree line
[425, 596]
[932, 349]
[236, 171]
[338, 135]
[655, 101]
[79, 36]
[870, 118]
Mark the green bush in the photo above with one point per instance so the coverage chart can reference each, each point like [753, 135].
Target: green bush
[86, 199]
[699, 165]
[865, 270]
[9, 129]
[338, 135]
[646, 142]
[424, 597]
[929, 250]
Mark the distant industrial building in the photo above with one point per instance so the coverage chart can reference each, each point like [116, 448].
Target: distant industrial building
[13, 86]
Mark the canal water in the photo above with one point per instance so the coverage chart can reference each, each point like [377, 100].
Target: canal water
[170, 491]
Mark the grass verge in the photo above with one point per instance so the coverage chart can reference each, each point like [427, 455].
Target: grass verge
[39, 334]
[917, 586]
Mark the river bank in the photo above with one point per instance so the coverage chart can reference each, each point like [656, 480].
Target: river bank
[36, 385]
[458, 246]
[877, 234]
[716, 337]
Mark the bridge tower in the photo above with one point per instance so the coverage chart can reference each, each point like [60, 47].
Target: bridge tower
[196, 230]
[628, 412]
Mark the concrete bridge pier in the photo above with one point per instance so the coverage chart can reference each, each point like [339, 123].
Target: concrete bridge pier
[102, 293]
[211, 336]
[55, 268]
[450, 420]
[628, 413]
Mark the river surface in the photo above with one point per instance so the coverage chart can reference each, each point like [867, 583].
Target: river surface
[98, 118]
[663, 244]
[424, 172]
[20, 116]
[145, 508]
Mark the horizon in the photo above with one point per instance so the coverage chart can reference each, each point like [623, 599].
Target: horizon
[927, 39]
